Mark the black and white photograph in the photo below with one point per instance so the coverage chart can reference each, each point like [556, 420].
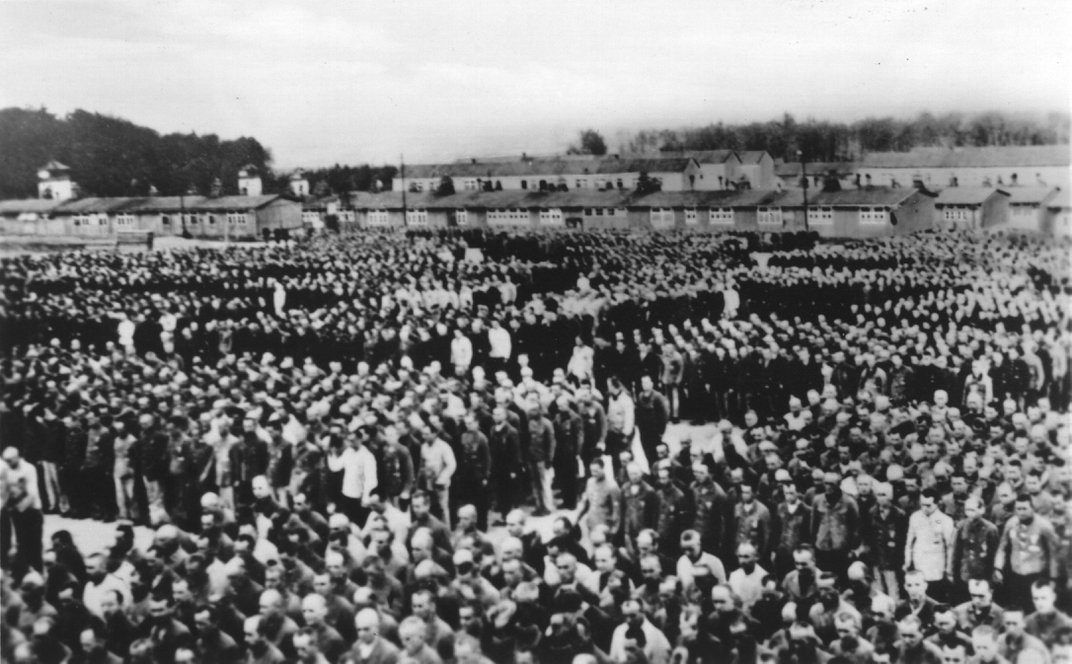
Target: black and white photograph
[590, 332]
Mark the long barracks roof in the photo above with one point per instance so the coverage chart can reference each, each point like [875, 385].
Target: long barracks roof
[512, 198]
[970, 157]
[968, 195]
[644, 164]
[548, 167]
[719, 199]
[521, 199]
[93, 205]
[1030, 195]
[701, 156]
[788, 169]
[113, 205]
[38, 205]
[752, 156]
[863, 197]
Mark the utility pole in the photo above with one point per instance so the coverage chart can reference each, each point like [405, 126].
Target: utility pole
[804, 180]
[402, 162]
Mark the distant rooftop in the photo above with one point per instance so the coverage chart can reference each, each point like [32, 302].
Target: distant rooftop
[968, 157]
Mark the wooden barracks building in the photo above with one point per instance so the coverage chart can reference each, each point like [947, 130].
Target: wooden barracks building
[712, 190]
[244, 216]
[848, 213]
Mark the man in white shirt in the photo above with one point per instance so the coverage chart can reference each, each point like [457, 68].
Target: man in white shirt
[695, 560]
[929, 543]
[747, 580]
[439, 463]
[655, 646]
[20, 509]
[461, 352]
[581, 363]
[621, 421]
[358, 478]
[501, 346]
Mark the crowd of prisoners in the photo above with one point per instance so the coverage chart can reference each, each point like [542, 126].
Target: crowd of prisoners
[584, 446]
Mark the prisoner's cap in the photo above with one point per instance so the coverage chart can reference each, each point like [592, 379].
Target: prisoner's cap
[338, 521]
[782, 475]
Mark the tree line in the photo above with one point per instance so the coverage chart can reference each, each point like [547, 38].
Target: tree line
[110, 156]
[340, 179]
[822, 140]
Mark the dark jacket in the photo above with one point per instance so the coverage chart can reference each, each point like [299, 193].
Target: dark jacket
[884, 538]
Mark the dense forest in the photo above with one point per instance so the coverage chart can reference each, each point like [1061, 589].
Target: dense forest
[830, 141]
[110, 156]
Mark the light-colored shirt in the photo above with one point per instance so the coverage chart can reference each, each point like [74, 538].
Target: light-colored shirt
[749, 587]
[929, 545]
[621, 413]
[359, 472]
[501, 345]
[123, 467]
[657, 648]
[19, 486]
[687, 575]
[604, 503]
[438, 462]
[461, 352]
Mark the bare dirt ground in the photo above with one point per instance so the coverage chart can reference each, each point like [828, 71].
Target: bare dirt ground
[21, 245]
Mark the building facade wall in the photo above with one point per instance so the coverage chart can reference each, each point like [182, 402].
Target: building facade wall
[915, 214]
[1058, 222]
[1026, 217]
[280, 213]
[57, 190]
[760, 175]
[709, 174]
[994, 212]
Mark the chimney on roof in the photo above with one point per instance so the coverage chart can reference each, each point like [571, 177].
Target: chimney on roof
[217, 188]
[919, 185]
[472, 160]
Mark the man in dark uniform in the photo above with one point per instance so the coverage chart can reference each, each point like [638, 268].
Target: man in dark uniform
[974, 548]
[471, 481]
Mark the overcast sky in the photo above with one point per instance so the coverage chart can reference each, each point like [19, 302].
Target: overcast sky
[325, 82]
